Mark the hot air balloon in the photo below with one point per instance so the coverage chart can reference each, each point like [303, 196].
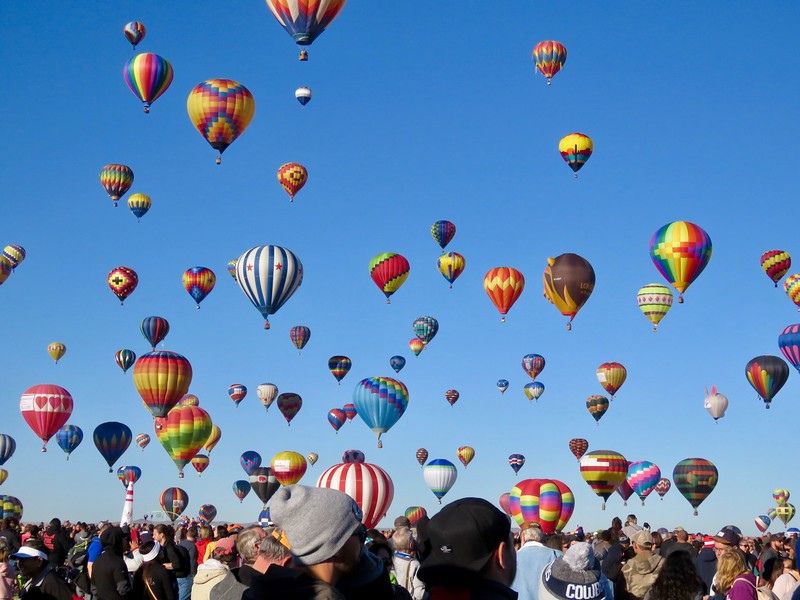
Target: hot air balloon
[125, 359]
[339, 366]
[597, 406]
[213, 438]
[567, 504]
[267, 392]
[715, 403]
[603, 470]
[300, 334]
[654, 301]
[237, 392]
[268, 276]
[767, 375]
[451, 396]
[3, 476]
[173, 502]
[45, 408]
[369, 485]
[220, 109]
[122, 281]
[503, 285]
[5, 269]
[263, 483]
[443, 232]
[241, 488]
[533, 364]
[536, 501]
[380, 402]
[189, 400]
[183, 433]
[154, 330]
[289, 404]
[230, 266]
[303, 95]
[162, 378]
[695, 479]
[134, 32]
[198, 282]
[776, 263]
[116, 180]
[680, 251]
[576, 148]
[516, 462]
[772, 513]
[465, 455]
[792, 288]
[451, 265]
[128, 474]
[578, 447]
[350, 411]
[789, 343]
[69, 437]
[207, 513]
[250, 460]
[288, 467]
[139, 204]
[568, 283]
[762, 523]
[643, 476]
[663, 486]
[611, 376]
[305, 21]
[8, 446]
[502, 385]
[414, 514]
[785, 513]
[353, 456]
[625, 491]
[389, 271]
[336, 418]
[112, 440]
[781, 496]
[148, 76]
[142, 440]
[312, 458]
[397, 362]
[422, 456]
[425, 328]
[292, 176]
[533, 390]
[503, 500]
[440, 475]
[200, 463]
[549, 57]
[416, 345]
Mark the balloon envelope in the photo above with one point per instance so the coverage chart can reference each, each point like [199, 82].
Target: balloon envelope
[221, 110]
[69, 437]
[45, 408]
[369, 485]
[603, 470]
[767, 375]
[112, 440]
[268, 276]
[380, 402]
[695, 479]
[439, 475]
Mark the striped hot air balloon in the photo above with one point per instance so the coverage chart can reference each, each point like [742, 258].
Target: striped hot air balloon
[125, 359]
[183, 433]
[142, 440]
[680, 251]
[268, 276]
[116, 180]
[611, 376]
[776, 263]
[339, 366]
[443, 232]
[578, 447]
[536, 501]
[200, 463]
[213, 438]
[516, 462]
[368, 484]
[162, 378]
[549, 57]
[288, 467]
[336, 418]
[597, 406]
[148, 76]
[134, 32]
[654, 301]
[305, 20]
[789, 343]
[603, 470]
[174, 501]
[154, 330]
[350, 411]
[380, 402]
[695, 479]
[414, 514]
[451, 396]
[440, 475]
[8, 446]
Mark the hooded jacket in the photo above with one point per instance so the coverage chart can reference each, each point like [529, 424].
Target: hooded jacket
[211, 574]
[641, 573]
[153, 582]
[559, 581]
[109, 572]
[288, 584]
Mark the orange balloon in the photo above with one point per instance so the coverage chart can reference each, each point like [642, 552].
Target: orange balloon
[504, 285]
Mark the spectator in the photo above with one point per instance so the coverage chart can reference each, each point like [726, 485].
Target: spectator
[95, 548]
[175, 560]
[7, 573]
[772, 569]
[133, 556]
[189, 544]
[57, 543]
[733, 581]
[787, 583]
[9, 532]
[109, 576]
[575, 576]
[214, 579]
[682, 543]
[532, 559]
[259, 551]
[601, 545]
[706, 563]
[202, 543]
[153, 581]
[642, 570]
[677, 580]
[772, 549]
[42, 582]
[631, 527]
[405, 564]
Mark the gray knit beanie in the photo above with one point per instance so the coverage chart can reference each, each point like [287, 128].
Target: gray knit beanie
[317, 521]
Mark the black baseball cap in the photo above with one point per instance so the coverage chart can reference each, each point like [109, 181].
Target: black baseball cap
[463, 536]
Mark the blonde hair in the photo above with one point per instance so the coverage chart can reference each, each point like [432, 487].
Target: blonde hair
[5, 551]
[730, 564]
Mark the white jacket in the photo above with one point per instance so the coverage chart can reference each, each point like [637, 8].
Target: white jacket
[405, 569]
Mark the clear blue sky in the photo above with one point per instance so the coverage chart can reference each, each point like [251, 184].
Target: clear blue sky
[419, 113]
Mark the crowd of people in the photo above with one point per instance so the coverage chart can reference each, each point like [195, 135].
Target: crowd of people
[317, 548]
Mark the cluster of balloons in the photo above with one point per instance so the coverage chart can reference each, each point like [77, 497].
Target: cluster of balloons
[784, 510]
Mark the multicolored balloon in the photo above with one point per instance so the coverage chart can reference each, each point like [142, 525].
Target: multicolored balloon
[112, 440]
[292, 176]
[767, 375]
[654, 301]
[715, 403]
[533, 390]
[578, 447]
[303, 95]
[268, 276]
[353, 456]
[792, 288]
[5, 269]
[397, 363]
[173, 502]
[380, 402]
[568, 283]
[312, 458]
[549, 57]
[504, 503]
[288, 467]
[611, 376]
[128, 474]
[516, 462]
[198, 282]
[207, 513]
[451, 396]
[603, 470]
[576, 148]
[267, 392]
[502, 385]
[264, 484]
[189, 400]
[134, 32]
[8, 446]
[695, 479]
[785, 513]
[250, 460]
[439, 475]
[350, 411]
[414, 514]
[389, 271]
[416, 345]
[776, 263]
[663, 486]
[451, 265]
[56, 350]
[116, 180]
[339, 366]
[142, 440]
[680, 251]
[183, 433]
[567, 504]
[643, 476]
[148, 76]
[789, 343]
[465, 455]
[230, 266]
[781, 496]
[597, 406]
[240, 489]
[504, 286]
[122, 281]
[289, 404]
[536, 501]
[369, 485]
[762, 522]
[443, 232]
[213, 438]
[336, 418]
[422, 456]
[237, 392]
[305, 20]
[154, 330]
[300, 335]
[533, 364]
[220, 109]
[425, 328]
[162, 378]
[69, 437]
[139, 204]
[625, 491]
[125, 359]
[45, 408]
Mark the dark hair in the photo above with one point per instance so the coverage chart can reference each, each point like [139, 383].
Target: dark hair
[616, 524]
[36, 544]
[222, 532]
[554, 541]
[678, 579]
[165, 530]
[146, 547]
[657, 539]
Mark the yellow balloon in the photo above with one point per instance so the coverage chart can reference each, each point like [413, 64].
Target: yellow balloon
[3, 476]
[56, 350]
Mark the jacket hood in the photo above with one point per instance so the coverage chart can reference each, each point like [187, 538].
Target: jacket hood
[111, 539]
[644, 565]
[210, 572]
[562, 571]
[706, 555]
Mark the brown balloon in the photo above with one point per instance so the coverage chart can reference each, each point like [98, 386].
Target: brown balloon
[568, 283]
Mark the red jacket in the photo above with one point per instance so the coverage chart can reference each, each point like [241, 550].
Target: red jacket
[201, 549]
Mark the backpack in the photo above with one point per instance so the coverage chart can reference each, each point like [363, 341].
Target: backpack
[76, 557]
[49, 540]
[762, 593]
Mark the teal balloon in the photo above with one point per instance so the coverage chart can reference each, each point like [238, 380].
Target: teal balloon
[425, 328]
[380, 402]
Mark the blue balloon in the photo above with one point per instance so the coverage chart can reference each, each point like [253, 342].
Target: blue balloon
[789, 343]
[263, 518]
[397, 363]
[154, 330]
[502, 385]
[380, 402]
[250, 461]
[241, 488]
[7, 447]
[112, 440]
[69, 437]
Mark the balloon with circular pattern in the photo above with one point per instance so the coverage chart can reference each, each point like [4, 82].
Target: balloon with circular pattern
[221, 110]
[421, 455]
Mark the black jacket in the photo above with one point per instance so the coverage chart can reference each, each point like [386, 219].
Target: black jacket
[109, 572]
[158, 579]
[61, 546]
[52, 587]
[289, 584]
[706, 566]
[178, 557]
[246, 574]
[13, 539]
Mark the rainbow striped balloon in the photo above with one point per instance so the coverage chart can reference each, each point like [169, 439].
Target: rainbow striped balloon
[116, 179]
[789, 343]
[643, 477]
[680, 251]
[415, 513]
[603, 470]
[148, 76]
[183, 432]
[792, 288]
[162, 378]
[536, 501]
[567, 504]
[695, 479]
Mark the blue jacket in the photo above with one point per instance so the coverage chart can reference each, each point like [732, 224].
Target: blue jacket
[532, 559]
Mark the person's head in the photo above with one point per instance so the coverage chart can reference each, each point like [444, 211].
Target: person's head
[34, 530]
[616, 524]
[5, 550]
[112, 540]
[162, 533]
[678, 578]
[248, 543]
[554, 541]
[469, 538]
[681, 535]
[205, 532]
[657, 541]
[225, 550]
[631, 520]
[402, 540]
[772, 569]
[642, 542]
[575, 575]
[730, 564]
[604, 535]
[149, 550]
[531, 532]
[31, 561]
[382, 551]
[271, 552]
[402, 522]
[191, 533]
[222, 532]
[776, 542]
[727, 538]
